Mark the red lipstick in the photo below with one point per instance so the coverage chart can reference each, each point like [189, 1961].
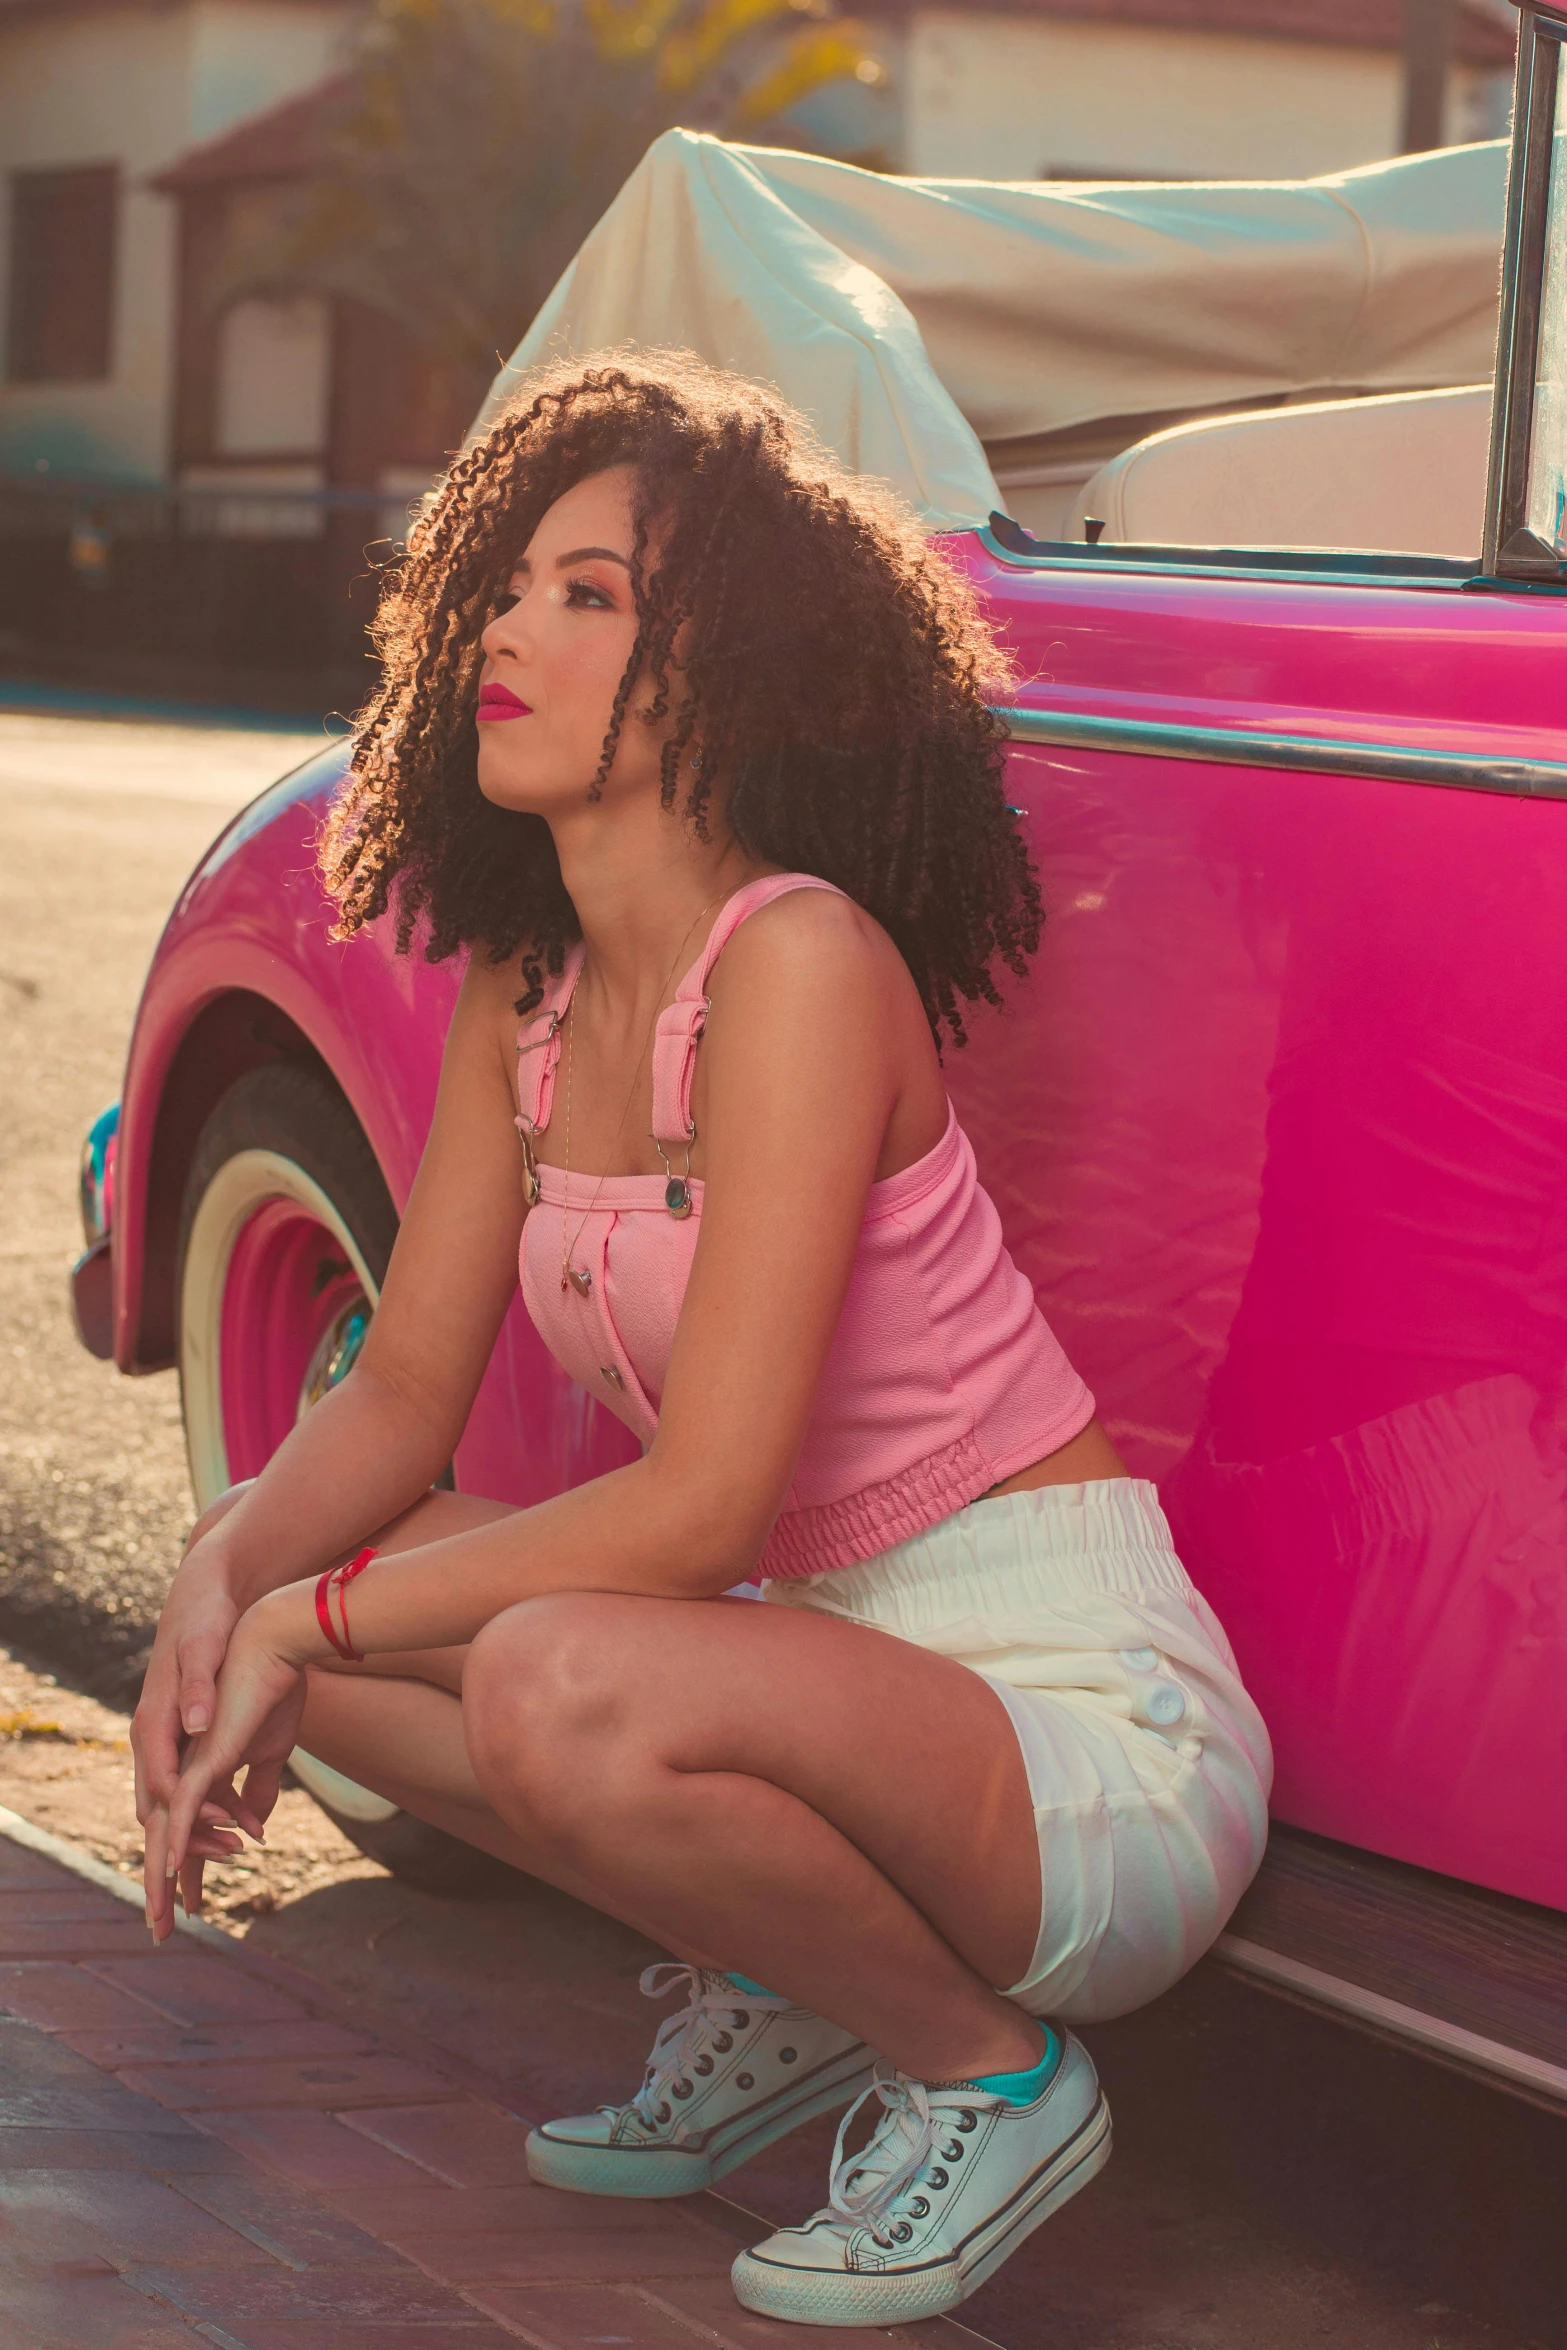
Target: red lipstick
[498, 701]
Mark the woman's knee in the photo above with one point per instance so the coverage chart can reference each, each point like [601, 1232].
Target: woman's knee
[216, 1511]
[548, 1694]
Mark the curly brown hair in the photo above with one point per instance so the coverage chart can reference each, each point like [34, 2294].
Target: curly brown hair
[839, 669]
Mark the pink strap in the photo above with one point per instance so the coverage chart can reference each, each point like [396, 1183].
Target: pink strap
[538, 1049]
[681, 1023]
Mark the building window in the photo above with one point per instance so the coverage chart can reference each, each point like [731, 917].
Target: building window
[62, 274]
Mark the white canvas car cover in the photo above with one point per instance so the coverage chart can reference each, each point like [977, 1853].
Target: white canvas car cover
[915, 320]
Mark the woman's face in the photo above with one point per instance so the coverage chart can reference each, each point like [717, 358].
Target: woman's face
[555, 655]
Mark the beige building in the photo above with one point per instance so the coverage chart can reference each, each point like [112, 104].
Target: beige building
[1187, 89]
[96, 97]
[127, 125]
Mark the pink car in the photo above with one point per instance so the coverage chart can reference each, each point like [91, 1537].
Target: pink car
[1278, 1129]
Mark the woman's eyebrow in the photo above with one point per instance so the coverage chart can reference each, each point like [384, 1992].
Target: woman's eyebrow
[590, 554]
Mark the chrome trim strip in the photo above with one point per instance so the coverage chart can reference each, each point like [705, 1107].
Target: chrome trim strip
[1451, 576]
[1532, 2076]
[1227, 746]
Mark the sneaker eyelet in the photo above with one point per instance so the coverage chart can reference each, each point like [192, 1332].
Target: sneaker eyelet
[702, 2065]
[954, 2152]
[902, 2232]
[919, 2208]
[661, 2112]
[722, 2042]
[787, 2055]
[968, 2121]
[681, 2089]
[745, 2080]
[938, 2178]
[741, 2019]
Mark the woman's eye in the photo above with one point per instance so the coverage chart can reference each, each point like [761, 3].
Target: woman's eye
[582, 595]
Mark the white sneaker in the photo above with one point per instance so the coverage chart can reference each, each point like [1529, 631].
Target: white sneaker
[952, 2180]
[729, 2072]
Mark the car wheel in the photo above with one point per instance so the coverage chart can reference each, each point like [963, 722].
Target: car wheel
[285, 1234]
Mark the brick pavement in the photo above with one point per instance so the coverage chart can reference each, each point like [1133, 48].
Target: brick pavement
[199, 2146]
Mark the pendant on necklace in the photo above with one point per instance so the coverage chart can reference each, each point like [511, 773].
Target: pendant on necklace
[581, 1280]
[677, 1196]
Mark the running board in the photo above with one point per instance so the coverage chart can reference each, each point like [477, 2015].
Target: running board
[1473, 1979]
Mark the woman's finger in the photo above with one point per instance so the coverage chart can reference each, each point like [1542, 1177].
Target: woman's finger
[185, 1806]
[213, 1843]
[190, 1882]
[199, 1656]
[155, 1742]
[225, 1803]
[155, 1875]
[263, 1784]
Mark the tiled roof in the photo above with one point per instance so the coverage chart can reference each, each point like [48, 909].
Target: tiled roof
[275, 145]
[1486, 31]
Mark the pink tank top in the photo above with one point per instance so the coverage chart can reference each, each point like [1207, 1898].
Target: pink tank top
[942, 1377]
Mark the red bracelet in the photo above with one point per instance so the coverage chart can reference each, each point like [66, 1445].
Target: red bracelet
[334, 1580]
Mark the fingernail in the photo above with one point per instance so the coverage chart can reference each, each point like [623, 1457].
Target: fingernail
[197, 1719]
[173, 1869]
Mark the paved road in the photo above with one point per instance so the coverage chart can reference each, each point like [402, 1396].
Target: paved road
[100, 822]
[1280, 2183]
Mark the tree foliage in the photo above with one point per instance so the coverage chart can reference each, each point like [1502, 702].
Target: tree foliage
[474, 143]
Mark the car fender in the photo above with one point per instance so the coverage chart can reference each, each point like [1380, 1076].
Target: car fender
[246, 971]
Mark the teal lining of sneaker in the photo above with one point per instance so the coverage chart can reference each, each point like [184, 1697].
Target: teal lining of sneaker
[1022, 2088]
[757, 1990]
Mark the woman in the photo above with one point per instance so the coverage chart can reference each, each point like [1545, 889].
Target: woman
[687, 733]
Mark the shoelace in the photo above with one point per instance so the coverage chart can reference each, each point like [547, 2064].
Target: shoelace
[703, 2027]
[870, 2189]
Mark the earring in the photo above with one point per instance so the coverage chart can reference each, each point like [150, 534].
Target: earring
[696, 761]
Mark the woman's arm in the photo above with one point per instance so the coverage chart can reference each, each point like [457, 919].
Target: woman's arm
[375, 1443]
[378, 1441]
[807, 1052]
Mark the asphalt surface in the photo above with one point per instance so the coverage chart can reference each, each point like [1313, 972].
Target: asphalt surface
[1280, 2182]
[100, 822]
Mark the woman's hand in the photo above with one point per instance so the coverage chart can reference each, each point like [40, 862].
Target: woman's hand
[179, 1693]
[259, 1699]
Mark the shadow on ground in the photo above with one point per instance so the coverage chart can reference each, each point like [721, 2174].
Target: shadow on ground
[1280, 2181]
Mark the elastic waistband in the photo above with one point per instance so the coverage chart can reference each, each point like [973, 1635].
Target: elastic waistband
[1109, 1538]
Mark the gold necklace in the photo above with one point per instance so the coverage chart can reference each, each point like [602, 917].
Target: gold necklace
[578, 1277]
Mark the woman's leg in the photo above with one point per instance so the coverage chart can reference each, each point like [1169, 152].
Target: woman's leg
[820, 1805]
[829, 1809]
[394, 1722]
[404, 1738]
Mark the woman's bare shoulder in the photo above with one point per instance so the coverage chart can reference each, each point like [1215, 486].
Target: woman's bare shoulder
[817, 995]
[814, 942]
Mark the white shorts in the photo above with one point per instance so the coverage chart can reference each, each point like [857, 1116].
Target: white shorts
[1148, 1764]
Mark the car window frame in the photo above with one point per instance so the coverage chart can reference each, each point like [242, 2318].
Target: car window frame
[1510, 557]
[1510, 552]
